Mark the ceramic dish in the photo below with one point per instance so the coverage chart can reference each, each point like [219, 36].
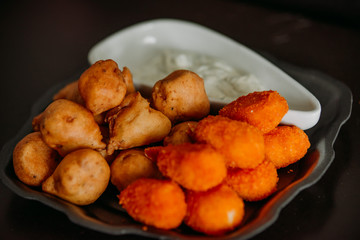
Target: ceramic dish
[136, 45]
[106, 216]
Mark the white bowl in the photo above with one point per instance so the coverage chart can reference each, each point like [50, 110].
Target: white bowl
[135, 45]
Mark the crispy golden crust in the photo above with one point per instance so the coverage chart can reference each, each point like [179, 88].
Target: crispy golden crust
[240, 143]
[215, 211]
[80, 178]
[194, 166]
[180, 133]
[134, 123]
[33, 160]
[130, 88]
[102, 86]
[66, 126]
[181, 96]
[70, 92]
[263, 110]
[130, 165]
[253, 184]
[159, 203]
[285, 145]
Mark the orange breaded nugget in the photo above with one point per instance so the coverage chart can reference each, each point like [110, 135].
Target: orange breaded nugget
[263, 110]
[285, 145]
[253, 184]
[194, 166]
[158, 203]
[240, 143]
[215, 211]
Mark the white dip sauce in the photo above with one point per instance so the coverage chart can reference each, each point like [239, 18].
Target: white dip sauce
[222, 82]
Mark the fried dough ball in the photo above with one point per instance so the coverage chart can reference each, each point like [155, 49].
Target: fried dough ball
[134, 123]
[36, 122]
[263, 110]
[285, 145]
[180, 133]
[70, 92]
[158, 203]
[102, 86]
[194, 166]
[181, 96]
[33, 160]
[128, 80]
[130, 165]
[215, 211]
[67, 126]
[80, 178]
[253, 184]
[240, 143]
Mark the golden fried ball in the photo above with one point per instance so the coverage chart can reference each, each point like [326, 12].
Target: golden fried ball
[130, 165]
[80, 178]
[180, 133]
[66, 126]
[181, 96]
[102, 86]
[33, 160]
[215, 211]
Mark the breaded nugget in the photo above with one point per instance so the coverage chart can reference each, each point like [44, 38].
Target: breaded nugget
[214, 211]
[253, 184]
[66, 126]
[285, 145]
[194, 166]
[33, 160]
[180, 133]
[80, 178]
[240, 143]
[134, 123]
[159, 203]
[181, 96]
[102, 86]
[130, 165]
[263, 110]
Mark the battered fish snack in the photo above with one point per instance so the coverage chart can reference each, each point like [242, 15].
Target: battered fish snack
[181, 96]
[66, 126]
[215, 211]
[285, 145]
[253, 184]
[263, 110]
[180, 133]
[80, 178]
[158, 203]
[33, 160]
[130, 165]
[102, 86]
[194, 166]
[240, 143]
[134, 123]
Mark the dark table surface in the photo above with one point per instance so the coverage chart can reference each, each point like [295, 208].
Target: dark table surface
[45, 42]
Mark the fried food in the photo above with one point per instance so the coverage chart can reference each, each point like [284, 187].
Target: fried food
[263, 110]
[66, 126]
[158, 203]
[134, 123]
[130, 165]
[33, 160]
[240, 143]
[215, 211]
[36, 122]
[181, 96]
[194, 166]
[70, 92]
[253, 184]
[102, 86]
[285, 145]
[130, 88]
[180, 133]
[80, 178]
